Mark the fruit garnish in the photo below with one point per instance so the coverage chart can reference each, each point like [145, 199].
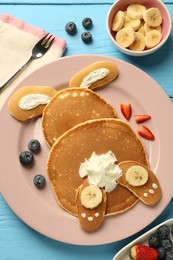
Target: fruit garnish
[34, 146]
[87, 23]
[145, 132]
[91, 197]
[141, 118]
[152, 17]
[26, 158]
[137, 175]
[39, 181]
[86, 37]
[143, 252]
[126, 110]
[71, 28]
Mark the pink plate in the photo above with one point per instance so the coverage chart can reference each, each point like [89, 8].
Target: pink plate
[39, 208]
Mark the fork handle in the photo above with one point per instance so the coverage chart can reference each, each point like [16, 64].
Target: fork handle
[2, 87]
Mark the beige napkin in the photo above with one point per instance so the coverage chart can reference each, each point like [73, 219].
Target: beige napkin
[17, 39]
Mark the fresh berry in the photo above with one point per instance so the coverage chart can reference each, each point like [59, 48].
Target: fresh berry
[163, 231]
[166, 243]
[169, 256]
[26, 158]
[126, 110]
[141, 118]
[162, 253]
[87, 23]
[145, 132]
[154, 241]
[39, 181]
[143, 252]
[86, 37]
[172, 231]
[34, 146]
[71, 28]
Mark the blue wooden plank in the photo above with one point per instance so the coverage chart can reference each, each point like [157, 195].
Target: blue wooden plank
[80, 2]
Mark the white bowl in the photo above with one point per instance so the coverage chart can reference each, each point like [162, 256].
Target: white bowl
[122, 5]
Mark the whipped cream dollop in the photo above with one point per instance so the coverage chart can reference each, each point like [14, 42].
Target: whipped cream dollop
[101, 170]
[31, 101]
[93, 77]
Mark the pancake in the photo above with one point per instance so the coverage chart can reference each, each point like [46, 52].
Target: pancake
[74, 146]
[86, 77]
[150, 192]
[24, 92]
[71, 107]
[90, 219]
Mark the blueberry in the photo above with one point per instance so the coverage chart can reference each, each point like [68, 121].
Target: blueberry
[86, 37]
[163, 231]
[87, 23]
[154, 241]
[26, 158]
[71, 28]
[39, 181]
[162, 253]
[172, 230]
[169, 256]
[166, 243]
[34, 146]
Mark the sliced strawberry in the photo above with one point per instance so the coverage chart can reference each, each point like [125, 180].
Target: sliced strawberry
[126, 110]
[145, 132]
[143, 252]
[141, 118]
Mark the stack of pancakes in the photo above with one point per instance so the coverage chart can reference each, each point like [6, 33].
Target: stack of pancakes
[76, 123]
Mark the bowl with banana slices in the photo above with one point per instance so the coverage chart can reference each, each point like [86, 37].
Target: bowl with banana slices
[138, 28]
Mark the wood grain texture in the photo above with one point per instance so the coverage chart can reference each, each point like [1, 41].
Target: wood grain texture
[17, 240]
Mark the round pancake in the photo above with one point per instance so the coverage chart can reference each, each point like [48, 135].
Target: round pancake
[77, 144]
[71, 107]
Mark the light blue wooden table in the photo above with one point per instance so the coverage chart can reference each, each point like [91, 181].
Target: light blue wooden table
[17, 240]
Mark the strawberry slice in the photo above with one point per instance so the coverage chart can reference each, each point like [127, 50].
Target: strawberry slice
[145, 132]
[143, 252]
[126, 110]
[141, 118]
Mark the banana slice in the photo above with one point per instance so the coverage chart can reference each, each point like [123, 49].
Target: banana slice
[153, 17]
[136, 11]
[139, 42]
[125, 37]
[118, 21]
[142, 30]
[137, 175]
[152, 38]
[91, 197]
[133, 23]
[149, 28]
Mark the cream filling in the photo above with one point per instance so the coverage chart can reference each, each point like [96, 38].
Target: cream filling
[93, 77]
[31, 101]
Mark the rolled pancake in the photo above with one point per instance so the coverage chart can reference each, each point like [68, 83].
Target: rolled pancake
[71, 107]
[77, 144]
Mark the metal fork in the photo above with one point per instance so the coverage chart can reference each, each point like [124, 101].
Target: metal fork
[37, 52]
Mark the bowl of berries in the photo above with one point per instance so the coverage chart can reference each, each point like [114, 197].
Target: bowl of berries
[138, 28]
[155, 244]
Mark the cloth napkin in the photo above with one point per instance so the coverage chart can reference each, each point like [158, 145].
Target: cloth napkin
[17, 39]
